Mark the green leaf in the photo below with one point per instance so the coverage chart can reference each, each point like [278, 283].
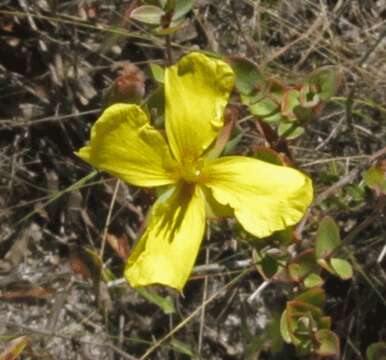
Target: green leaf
[247, 74]
[327, 81]
[182, 8]
[327, 238]
[268, 155]
[168, 5]
[303, 265]
[155, 106]
[325, 322]
[269, 266]
[308, 96]
[171, 29]
[231, 145]
[325, 264]
[356, 192]
[158, 72]
[266, 110]
[342, 268]
[164, 303]
[328, 343]
[289, 103]
[313, 280]
[376, 351]
[284, 330]
[290, 130]
[182, 348]
[298, 309]
[148, 14]
[283, 237]
[315, 296]
[375, 178]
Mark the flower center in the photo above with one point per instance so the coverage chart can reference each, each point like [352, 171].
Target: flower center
[191, 171]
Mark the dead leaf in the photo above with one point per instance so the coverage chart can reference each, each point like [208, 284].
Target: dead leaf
[129, 86]
[31, 293]
[78, 266]
[14, 348]
[120, 245]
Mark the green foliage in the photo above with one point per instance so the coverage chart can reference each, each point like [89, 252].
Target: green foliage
[164, 303]
[375, 179]
[325, 82]
[247, 74]
[148, 14]
[328, 343]
[303, 265]
[183, 348]
[304, 325]
[281, 104]
[376, 351]
[268, 155]
[166, 16]
[157, 72]
[327, 242]
[342, 268]
[327, 239]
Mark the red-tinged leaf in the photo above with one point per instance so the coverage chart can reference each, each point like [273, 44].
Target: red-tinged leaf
[327, 80]
[308, 96]
[31, 293]
[315, 296]
[289, 103]
[297, 308]
[120, 245]
[14, 348]
[328, 343]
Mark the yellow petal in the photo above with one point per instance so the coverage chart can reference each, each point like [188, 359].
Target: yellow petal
[166, 252]
[196, 91]
[213, 209]
[124, 144]
[265, 197]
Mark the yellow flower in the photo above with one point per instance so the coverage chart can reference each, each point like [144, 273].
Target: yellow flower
[263, 197]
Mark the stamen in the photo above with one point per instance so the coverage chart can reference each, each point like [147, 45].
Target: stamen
[191, 170]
